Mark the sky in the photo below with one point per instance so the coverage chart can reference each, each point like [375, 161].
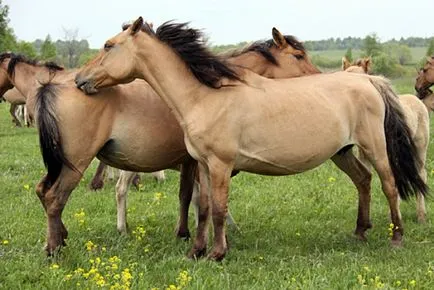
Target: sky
[225, 21]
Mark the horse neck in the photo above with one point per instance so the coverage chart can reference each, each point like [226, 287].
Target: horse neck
[250, 60]
[429, 102]
[170, 77]
[25, 77]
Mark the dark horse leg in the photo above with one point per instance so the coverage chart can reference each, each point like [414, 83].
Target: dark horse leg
[55, 199]
[188, 174]
[361, 177]
[98, 179]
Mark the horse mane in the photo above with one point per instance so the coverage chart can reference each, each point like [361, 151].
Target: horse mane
[263, 47]
[190, 45]
[18, 58]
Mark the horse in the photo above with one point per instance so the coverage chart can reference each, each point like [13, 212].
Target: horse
[55, 99]
[416, 112]
[259, 125]
[16, 99]
[425, 78]
[362, 65]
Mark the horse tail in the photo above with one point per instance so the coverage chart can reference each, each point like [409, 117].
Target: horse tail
[50, 140]
[401, 149]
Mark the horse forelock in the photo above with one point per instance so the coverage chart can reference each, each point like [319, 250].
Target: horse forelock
[190, 45]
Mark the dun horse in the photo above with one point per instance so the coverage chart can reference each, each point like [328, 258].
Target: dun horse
[106, 124]
[417, 115]
[15, 98]
[273, 127]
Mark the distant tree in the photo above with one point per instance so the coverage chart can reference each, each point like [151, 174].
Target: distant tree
[48, 49]
[7, 37]
[349, 54]
[371, 45]
[26, 48]
[70, 48]
[400, 52]
[430, 50]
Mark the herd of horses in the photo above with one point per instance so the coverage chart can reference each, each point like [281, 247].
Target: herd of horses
[155, 100]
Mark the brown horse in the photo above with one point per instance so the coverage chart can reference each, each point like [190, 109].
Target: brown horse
[273, 127]
[416, 112]
[15, 98]
[425, 79]
[106, 125]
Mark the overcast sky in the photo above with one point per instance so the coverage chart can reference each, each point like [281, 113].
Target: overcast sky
[226, 21]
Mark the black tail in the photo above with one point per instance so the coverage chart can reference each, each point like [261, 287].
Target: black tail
[50, 140]
[401, 150]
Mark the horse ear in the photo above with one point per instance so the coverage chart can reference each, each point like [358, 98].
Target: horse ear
[137, 25]
[367, 64]
[150, 24]
[345, 63]
[278, 38]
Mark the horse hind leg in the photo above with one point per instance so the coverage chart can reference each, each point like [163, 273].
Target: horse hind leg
[97, 181]
[55, 201]
[361, 177]
[376, 152]
[422, 147]
[122, 186]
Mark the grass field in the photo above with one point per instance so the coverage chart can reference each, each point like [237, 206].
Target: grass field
[295, 233]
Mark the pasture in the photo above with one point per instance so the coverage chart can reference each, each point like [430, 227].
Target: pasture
[295, 232]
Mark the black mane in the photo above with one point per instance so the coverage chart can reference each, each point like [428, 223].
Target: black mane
[263, 47]
[190, 45]
[18, 58]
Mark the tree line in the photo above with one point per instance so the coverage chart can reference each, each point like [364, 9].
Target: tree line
[389, 58]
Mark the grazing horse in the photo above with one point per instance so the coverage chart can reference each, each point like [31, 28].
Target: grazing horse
[259, 125]
[416, 112]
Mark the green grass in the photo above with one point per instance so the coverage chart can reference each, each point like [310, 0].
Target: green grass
[296, 233]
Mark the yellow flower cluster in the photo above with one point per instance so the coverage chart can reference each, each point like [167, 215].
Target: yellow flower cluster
[90, 246]
[5, 242]
[80, 216]
[182, 281]
[158, 196]
[139, 233]
[103, 273]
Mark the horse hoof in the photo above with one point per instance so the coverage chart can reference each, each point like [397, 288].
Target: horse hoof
[96, 185]
[360, 236]
[185, 236]
[216, 255]
[196, 253]
[396, 244]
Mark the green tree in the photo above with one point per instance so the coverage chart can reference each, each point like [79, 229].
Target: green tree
[430, 50]
[371, 45]
[400, 52]
[349, 54]
[26, 48]
[7, 38]
[48, 49]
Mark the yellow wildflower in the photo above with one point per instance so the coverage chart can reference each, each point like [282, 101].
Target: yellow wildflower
[5, 242]
[54, 266]
[26, 187]
[90, 246]
[412, 283]
[68, 277]
[331, 179]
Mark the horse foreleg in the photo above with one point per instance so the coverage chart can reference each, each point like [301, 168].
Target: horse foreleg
[122, 186]
[98, 179]
[201, 240]
[188, 176]
[55, 200]
[361, 177]
[219, 173]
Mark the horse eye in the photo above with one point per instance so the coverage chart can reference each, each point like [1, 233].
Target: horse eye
[107, 46]
[299, 56]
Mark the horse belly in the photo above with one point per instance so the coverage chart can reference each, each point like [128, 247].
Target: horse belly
[281, 162]
[143, 158]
